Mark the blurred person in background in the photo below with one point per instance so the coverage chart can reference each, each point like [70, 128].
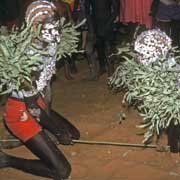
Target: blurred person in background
[104, 14]
[88, 38]
[64, 10]
[167, 17]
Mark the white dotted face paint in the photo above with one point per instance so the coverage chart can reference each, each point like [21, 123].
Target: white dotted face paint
[151, 45]
[50, 32]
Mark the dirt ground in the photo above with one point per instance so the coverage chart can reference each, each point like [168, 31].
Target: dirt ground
[94, 110]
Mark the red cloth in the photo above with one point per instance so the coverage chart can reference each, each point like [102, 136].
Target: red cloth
[23, 128]
[40, 102]
[136, 11]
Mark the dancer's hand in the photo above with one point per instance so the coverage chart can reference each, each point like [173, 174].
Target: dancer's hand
[35, 112]
[64, 138]
[32, 106]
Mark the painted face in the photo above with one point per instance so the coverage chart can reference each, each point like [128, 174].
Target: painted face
[50, 32]
[151, 45]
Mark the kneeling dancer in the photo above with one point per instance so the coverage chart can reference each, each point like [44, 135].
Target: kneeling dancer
[25, 114]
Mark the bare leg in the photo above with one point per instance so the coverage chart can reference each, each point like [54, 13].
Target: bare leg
[67, 71]
[52, 163]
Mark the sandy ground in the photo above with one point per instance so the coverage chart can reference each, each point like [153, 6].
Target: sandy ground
[94, 110]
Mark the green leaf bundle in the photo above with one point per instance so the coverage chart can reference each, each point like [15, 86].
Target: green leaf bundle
[21, 55]
[154, 90]
[15, 62]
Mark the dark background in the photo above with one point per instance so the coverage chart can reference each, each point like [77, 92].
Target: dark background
[10, 10]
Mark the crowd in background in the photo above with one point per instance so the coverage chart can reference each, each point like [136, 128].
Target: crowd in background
[104, 19]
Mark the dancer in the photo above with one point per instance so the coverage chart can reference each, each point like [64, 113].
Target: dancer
[25, 114]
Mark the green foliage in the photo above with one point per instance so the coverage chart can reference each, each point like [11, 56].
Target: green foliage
[69, 41]
[15, 63]
[154, 90]
[21, 55]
